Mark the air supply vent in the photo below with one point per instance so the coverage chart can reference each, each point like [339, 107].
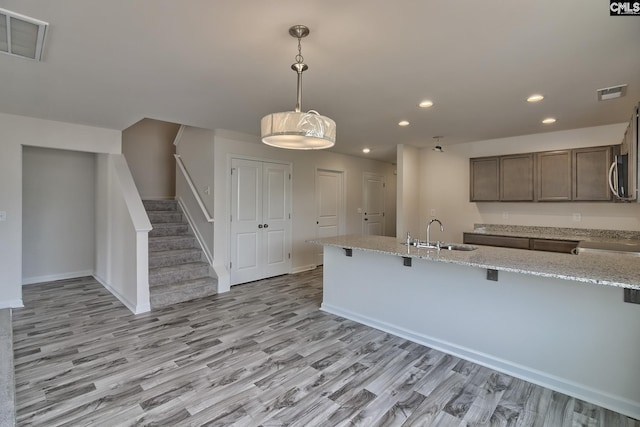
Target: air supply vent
[21, 36]
[612, 92]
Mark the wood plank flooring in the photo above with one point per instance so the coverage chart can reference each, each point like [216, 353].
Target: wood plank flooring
[262, 354]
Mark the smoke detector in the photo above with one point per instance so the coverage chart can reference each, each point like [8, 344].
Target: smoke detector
[612, 92]
[22, 36]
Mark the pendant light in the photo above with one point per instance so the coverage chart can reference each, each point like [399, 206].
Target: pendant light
[298, 130]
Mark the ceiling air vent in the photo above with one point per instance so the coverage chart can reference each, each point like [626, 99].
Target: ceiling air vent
[612, 92]
[21, 36]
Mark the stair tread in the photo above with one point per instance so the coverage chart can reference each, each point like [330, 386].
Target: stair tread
[168, 224]
[173, 252]
[183, 284]
[178, 267]
[171, 237]
[171, 242]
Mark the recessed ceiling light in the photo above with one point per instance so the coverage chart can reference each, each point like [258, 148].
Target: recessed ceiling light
[549, 120]
[403, 123]
[535, 98]
[366, 150]
[425, 104]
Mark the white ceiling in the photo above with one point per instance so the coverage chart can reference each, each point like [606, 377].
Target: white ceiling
[225, 64]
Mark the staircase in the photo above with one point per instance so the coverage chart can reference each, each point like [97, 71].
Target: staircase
[178, 270]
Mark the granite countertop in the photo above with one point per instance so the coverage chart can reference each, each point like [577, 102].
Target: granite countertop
[602, 269]
[557, 233]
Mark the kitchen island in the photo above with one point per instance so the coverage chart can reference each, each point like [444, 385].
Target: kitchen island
[557, 320]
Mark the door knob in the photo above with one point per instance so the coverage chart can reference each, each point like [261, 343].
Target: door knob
[266, 226]
[366, 219]
[259, 225]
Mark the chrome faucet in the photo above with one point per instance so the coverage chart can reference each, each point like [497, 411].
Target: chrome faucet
[429, 226]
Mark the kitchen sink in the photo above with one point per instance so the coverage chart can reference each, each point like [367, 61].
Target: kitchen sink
[457, 247]
[445, 246]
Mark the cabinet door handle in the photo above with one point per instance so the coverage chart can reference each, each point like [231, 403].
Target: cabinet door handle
[366, 219]
[259, 225]
[266, 226]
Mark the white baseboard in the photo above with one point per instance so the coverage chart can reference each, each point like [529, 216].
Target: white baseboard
[54, 277]
[11, 303]
[134, 308]
[224, 278]
[303, 268]
[615, 403]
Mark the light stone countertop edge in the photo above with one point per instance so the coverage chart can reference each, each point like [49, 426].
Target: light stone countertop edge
[599, 269]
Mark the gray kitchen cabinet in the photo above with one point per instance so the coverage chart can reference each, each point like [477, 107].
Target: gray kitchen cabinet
[515, 242]
[553, 177]
[516, 178]
[552, 245]
[579, 174]
[590, 173]
[484, 176]
[493, 240]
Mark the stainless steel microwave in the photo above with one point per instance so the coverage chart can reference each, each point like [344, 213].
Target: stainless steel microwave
[623, 173]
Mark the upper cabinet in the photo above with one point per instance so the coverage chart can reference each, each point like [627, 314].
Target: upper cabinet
[516, 178]
[549, 176]
[553, 183]
[485, 179]
[591, 173]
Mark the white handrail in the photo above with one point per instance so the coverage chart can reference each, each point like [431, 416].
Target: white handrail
[178, 137]
[183, 169]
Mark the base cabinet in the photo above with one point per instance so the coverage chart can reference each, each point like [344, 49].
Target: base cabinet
[548, 245]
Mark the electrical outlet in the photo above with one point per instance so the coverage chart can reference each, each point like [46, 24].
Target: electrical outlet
[207, 190]
[505, 215]
[3, 215]
[432, 212]
[577, 217]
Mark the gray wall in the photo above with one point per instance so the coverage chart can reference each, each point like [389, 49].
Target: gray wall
[148, 148]
[58, 210]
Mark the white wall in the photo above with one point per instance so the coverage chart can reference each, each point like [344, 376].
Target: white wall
[305, 164]
[122, 226]
[15, 132]
[195, 148]
[444, 186]
[58, 228]
[148, 148]
[408, 219]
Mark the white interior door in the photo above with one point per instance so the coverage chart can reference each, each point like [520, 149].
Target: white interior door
[260, 220]
[246, 220]
[329, 206]
[373, 195]
[275, 217]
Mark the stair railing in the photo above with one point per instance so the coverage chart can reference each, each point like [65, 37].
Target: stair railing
[196, 195]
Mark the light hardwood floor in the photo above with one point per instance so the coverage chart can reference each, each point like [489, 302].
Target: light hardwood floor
[261, 354]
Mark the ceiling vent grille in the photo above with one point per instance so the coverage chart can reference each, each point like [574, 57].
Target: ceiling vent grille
[21, 36]
[612, 92]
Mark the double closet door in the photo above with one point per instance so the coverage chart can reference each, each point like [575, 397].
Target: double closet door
[260, 220]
